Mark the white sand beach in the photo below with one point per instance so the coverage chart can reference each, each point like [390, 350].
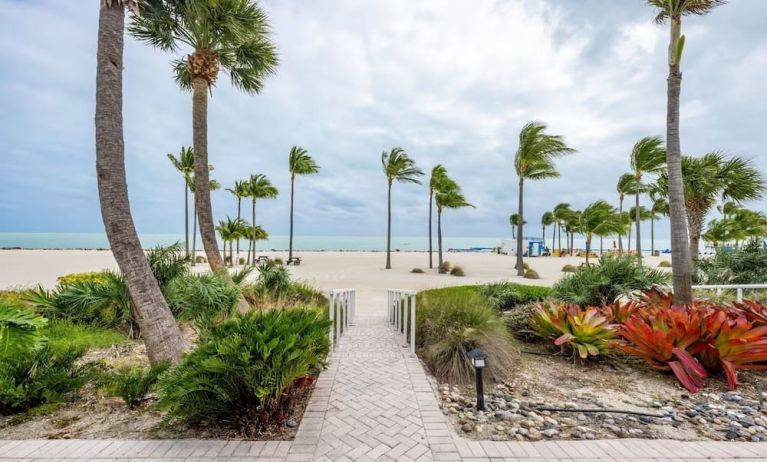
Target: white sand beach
[362, 270]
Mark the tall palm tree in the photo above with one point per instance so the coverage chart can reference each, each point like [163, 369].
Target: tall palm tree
[299, 163]
[259, 187]
[184, 163]
[712, 178]
[572, 226]
[546, 219]
[637, 216]
[598, 218]
[647, 157]
[626, 185]
[231, 230]
[160, 332]
[233, 35]
[449, 196]
[561, 212]
[214, 186]
[397, 166]
[534, 160]
[239, 191]
[438, 175]
[674, 10]
[514, 222]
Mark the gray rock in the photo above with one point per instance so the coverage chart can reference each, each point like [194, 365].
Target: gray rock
[467, 427]
[550, 433]
[291, 423]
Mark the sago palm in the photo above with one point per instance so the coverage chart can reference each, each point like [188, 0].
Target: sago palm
[561, 212]
[449, 196]
[240, 191]
[184, 163]
[647, 157]
[160, 332]
[534, 161]
[438, 176]
[626, 185]
[259, 187]
[229, 35]
[547, 219]
[299, 163]
[673, 11]
[399, 167]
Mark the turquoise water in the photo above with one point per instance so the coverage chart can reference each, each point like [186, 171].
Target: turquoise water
[350, 243]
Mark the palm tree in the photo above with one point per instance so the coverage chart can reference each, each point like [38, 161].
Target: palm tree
[637, 216]
[259, 187]
[299, 163]
[514, 222]
[659, 209]
[534, 160]
[438, 175]
[160, 332]
[449, 196]
[572, 226]
[709, 179]
[397, 166]
[673, 10]
[728, 209]
[546, 219]
[230, 231]
[184, 163]
[626, 185]
[647, 157]
[214, 186]
[233, 35]
[240, 191]
[598, 218]
[561, 212]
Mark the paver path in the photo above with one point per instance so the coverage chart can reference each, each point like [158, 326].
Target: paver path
[375, 402]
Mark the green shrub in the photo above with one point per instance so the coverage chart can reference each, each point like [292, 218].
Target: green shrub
[19, 329]
[279, 261]
[133, 384]
[445, 267]
[417, 271]
[531, 274]
[457, 271]
[746, 265]
[274, 279]
[168, 263]
[81, 278]
[450, 323]
[241, 260]
[506, 295]
[200, 259]
[239, 276]
[40, 376]
[664, 264]
[569, 269]
[602, 284]
[248, 368]
[62, 333]
[202, 298]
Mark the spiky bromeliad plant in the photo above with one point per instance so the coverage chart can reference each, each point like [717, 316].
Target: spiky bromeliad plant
[585, 330]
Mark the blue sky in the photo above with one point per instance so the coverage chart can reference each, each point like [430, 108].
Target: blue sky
[451, 85]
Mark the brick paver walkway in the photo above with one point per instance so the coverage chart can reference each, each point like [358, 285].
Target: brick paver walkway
[375, 402]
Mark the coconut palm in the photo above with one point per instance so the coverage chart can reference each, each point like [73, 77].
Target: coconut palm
[547, 219]
[259, 187]
[397, 166]
[159, 330]
[299, 163]
[438, 175]
[184, 163]
[534, 160]
[626, 185]
[712, 178]
[598, 218]
[572, 226]
[728, 209]
[231, 35]
[449, 196]
[674, 10]
[240, 191]
[647, 157]
[561, 212]
[231, 230]
[514, 222]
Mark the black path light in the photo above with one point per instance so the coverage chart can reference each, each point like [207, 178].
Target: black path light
[478, 360]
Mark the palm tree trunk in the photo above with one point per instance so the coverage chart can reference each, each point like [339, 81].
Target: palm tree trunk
[254, 230]
[201, 173]
[680, 251]
[559, 232]
[620, 235]
[292, 192]
[521, 219]
[553, 236]
[601, 246]
[572, 243]
[239, 203]
[638, 218]
[588, 248]
[439, 235]
[388, 230]
[544, 234]
[158, 327]
[186, 218]
[652, 236]
[431, 199]
[194, 236]
[695, 223]
[628, 241]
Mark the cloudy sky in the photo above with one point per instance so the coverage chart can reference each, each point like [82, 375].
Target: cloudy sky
[450, 82]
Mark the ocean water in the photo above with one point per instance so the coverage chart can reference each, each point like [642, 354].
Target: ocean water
[280, 242]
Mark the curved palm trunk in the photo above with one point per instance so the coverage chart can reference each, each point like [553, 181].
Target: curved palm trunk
[439, 236]
[431, 200]
[239, 203]
[253, 215]
[680, 250]
[186, 218]
[388, 230]
[201, 174]
[521, 219]
[158, 327]
[638, 218]
[292, 192]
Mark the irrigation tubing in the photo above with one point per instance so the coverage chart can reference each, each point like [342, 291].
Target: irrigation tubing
[611, 411]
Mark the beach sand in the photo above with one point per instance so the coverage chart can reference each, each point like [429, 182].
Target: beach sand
[326, 270]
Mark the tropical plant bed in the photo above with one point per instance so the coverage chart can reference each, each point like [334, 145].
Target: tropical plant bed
[516, 408]
[95, 416]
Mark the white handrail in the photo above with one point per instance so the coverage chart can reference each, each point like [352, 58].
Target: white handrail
[342, 302]
[738, 288]
[398, 302]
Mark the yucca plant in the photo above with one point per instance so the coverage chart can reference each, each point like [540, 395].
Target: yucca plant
[133, 384]
[19, 329]
[241, 372]
[585, 330]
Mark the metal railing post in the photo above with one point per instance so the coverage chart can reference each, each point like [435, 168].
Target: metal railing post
[739, 294]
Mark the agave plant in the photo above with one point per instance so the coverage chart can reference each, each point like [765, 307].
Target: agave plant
[586, 330]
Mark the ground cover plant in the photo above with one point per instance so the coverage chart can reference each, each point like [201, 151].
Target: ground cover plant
[507, 295]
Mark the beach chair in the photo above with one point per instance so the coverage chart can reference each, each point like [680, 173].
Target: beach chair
[295, 261]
